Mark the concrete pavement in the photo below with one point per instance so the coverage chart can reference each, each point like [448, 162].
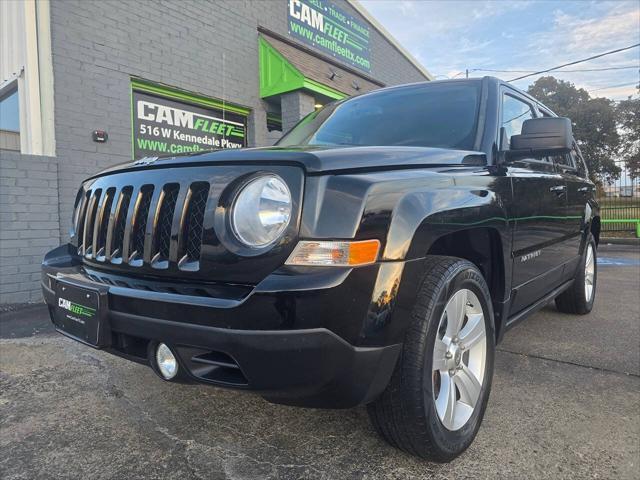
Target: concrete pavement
[565, 404]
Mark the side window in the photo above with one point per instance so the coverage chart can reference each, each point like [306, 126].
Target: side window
[514, 113]
[565, 161]
[579, 161]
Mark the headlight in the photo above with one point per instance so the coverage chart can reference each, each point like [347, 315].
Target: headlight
[261, 211]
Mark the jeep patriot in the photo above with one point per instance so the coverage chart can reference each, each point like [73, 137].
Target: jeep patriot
[376, 255]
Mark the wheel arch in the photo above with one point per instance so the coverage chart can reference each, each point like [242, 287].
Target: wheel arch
[459, 222]
[482, 246]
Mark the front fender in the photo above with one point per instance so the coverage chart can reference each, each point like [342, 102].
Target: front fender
[406, 210]
[420, 218]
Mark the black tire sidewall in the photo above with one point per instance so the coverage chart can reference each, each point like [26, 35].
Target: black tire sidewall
[453, 442]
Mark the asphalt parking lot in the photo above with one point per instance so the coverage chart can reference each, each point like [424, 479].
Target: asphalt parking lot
[565, 404]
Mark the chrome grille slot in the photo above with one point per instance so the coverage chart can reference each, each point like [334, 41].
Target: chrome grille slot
[140, 217]
[192, 226]
[102, 222]
[163, 222]
[88, 229]
[78, 224]
[116, 242]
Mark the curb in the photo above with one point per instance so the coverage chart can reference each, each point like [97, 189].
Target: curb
[620, 241]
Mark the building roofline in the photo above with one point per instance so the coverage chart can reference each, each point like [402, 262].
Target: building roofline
[385, 33]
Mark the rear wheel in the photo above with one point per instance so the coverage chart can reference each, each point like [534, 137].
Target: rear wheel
[438, 393]
[579, 298]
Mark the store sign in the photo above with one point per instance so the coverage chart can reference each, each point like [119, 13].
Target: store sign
[328, 28]
[166, 127]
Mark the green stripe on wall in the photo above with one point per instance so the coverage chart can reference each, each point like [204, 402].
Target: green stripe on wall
[181, 95]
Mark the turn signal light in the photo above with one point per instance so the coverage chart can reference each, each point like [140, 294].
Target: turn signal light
[335, 253]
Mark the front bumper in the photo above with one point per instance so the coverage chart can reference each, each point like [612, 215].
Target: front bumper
[291, 340]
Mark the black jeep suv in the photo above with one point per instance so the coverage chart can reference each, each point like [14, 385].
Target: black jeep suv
[375, 255]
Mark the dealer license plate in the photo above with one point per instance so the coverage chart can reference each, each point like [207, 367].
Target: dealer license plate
[76, 313]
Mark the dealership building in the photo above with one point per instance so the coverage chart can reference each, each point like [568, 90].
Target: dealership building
[85, 85]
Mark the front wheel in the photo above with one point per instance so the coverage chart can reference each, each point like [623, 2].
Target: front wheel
[579, 298]
[435, 401]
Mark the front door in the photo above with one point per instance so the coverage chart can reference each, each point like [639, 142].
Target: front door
[538, 214]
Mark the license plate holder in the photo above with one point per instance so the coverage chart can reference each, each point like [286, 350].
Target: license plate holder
[77, 314]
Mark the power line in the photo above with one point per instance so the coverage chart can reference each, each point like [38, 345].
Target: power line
[577, 61]
[614, 86]
[574, 70]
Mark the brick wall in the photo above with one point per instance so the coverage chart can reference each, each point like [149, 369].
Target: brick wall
[295, 105]
[98, 46]
[29, 223]
[206, 47]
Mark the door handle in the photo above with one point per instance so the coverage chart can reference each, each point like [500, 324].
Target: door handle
[558, 189]
[584, 189]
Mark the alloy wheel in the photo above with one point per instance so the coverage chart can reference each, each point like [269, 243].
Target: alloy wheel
[459, 359]
[589, 273]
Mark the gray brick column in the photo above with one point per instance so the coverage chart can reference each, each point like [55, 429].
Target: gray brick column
[29, 223]
[294, 106]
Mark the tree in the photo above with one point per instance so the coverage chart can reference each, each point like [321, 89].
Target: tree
[594, 123]
[629, 119]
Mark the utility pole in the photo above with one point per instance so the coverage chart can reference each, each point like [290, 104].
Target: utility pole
[467, 72]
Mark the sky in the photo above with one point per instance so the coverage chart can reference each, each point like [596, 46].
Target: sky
[447, 37]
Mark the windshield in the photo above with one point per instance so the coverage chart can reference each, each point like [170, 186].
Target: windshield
[433, 115]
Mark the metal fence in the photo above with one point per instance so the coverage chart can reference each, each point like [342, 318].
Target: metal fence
[620, 206]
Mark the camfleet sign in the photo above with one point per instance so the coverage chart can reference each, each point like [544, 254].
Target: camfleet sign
[328, 28]
[164, 127]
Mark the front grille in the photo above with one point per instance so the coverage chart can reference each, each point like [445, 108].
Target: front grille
[172, 224]
[137, 225]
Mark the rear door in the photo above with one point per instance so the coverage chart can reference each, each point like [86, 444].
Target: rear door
[538, 210]
[579, 191]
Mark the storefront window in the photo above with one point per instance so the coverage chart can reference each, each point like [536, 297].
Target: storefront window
[10, 120]
[10, 111]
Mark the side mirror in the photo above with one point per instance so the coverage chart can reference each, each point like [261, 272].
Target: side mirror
[542, 136]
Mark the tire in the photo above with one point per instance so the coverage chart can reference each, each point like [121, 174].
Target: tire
[578, 299]
[406, 414]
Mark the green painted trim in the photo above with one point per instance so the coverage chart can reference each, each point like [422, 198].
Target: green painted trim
[133, 133]
[323, 89]
[278, 75]
[274, 118]
[181, 95]
[620, 220]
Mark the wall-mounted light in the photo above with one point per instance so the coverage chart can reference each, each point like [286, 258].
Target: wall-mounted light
[100, 136]
[333, 74]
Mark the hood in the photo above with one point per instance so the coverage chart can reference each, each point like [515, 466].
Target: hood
[316, 159]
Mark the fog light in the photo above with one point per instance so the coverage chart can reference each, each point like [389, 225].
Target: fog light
[166, 360]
